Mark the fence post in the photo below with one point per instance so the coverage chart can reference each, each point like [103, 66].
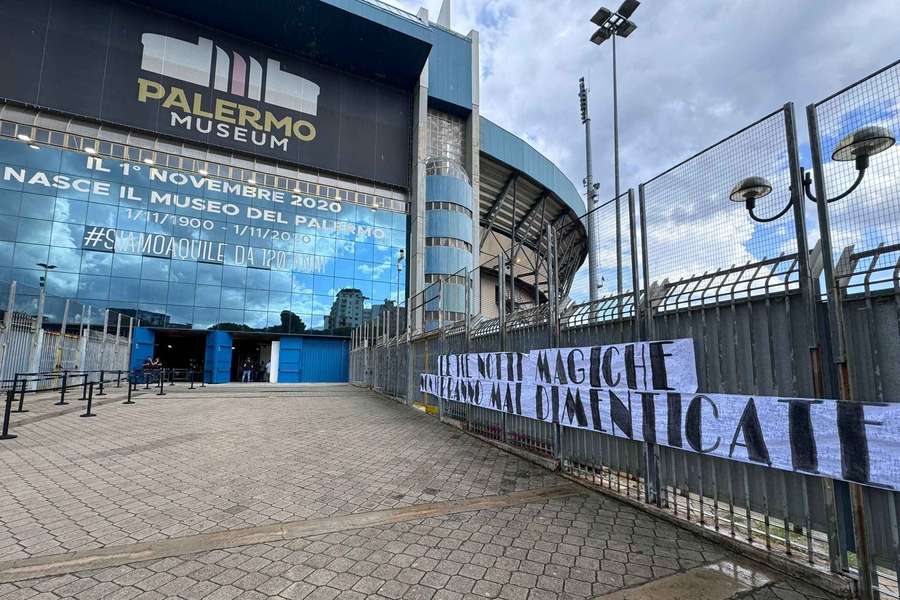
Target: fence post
[103, 347]
[116, 344]
[132, 383]
[645, 261]
[85, 334]
[807, 284]
[37, 339]
[635, 272]
[62, 389]
[90, 401]
[100, 392]
[6, 435]
[651, 451]
[130, 348]
[553, 290]
[61, 338]
[836, 342]
[440, 305]
[412, 384]
[21, 407]
[7, 323]
[397, 352]
[552, 286]
[501, 292]
[467, 341]
[161, 374]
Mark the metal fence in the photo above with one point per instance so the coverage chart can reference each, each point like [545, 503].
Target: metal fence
[716, 249]
[44, 334]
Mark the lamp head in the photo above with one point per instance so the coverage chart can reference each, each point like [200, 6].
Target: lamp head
[601, 35]
[863, 143]
[601, 16]
[750, 189]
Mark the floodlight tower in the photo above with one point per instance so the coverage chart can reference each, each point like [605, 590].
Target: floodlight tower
[593, 242]
[613, 25]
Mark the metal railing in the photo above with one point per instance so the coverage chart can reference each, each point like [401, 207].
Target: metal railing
[64, 387]
[39, 333]
[697, 261]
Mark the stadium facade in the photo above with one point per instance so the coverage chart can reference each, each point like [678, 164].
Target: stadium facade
[243, 177]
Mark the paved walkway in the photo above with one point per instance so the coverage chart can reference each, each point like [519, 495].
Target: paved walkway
[320, 492]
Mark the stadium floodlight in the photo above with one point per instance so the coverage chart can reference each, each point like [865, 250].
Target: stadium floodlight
[628, 7]
[611, 25]
[600, 36]
[625, 29]
[601, 16]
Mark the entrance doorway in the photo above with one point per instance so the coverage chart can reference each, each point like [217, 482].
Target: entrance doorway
[252, 353]
[180, 349]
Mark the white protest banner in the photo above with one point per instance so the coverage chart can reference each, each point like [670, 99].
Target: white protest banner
[657, 365]
[852, 441]
[500, 366]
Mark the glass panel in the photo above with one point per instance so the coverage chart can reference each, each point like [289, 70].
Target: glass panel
[189, 252]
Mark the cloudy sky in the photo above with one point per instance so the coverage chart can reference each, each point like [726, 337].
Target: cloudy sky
[693, 72]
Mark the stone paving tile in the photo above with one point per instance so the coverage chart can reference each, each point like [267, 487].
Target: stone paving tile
[202, 461]
[587, 542]
[232, 457]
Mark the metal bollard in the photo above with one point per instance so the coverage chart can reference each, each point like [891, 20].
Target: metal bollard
[90, 400]
[130, 388]
[118, 379]
[162, 381]
[84, 387]
[21, 407]
[191, 377]
[62, 390]
[6, 435]
[100, 392]
[171, 376]
[146, 380]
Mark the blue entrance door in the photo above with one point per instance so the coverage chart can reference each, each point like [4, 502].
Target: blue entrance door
[217, 367]
[141, 347]
[313, 359]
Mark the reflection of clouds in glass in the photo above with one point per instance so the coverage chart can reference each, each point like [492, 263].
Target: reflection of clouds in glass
[210, 294]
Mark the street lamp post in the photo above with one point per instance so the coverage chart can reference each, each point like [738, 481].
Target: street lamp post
[859, 147]
[613, 25]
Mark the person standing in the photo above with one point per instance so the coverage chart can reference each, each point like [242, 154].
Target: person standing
[268, 371]
[247, 371]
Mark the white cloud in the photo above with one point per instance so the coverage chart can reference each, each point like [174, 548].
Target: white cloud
[692, 73]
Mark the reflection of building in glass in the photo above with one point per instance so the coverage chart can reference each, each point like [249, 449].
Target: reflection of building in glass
[387, 312]
[378, 310]
[150, 319]
[348, 309]
[215, 201]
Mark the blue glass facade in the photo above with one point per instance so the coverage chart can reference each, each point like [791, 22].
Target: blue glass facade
[185, 250]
